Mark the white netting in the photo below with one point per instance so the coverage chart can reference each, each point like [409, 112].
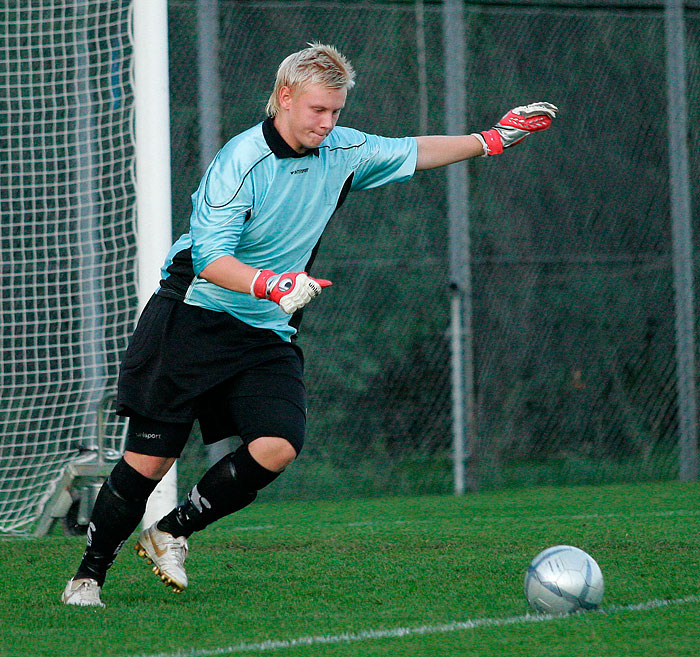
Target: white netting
[67, 198]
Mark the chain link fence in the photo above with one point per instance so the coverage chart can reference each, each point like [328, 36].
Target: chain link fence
[573, 311]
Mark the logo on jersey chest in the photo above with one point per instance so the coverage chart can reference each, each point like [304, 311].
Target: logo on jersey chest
[291, 173]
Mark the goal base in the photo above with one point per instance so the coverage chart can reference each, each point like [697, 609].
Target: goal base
[74, 498]
[76, 491]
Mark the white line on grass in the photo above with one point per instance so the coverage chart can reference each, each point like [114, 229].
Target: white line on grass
[399, 632]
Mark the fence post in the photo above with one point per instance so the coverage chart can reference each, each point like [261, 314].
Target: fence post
[209, 112]
[463, 416]
[209, 81]
[679, 188]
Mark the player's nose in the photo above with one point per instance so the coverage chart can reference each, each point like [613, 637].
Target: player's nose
[326, 121]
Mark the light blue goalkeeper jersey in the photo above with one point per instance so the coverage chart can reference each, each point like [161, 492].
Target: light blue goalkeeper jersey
[267, 205]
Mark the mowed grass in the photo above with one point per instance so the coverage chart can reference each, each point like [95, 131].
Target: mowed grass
[323, 578]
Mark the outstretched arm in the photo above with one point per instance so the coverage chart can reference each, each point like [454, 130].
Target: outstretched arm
[438, 151]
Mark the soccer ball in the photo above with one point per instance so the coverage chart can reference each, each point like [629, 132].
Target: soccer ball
[563, 579]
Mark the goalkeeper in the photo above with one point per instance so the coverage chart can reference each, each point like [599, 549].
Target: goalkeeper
[216, 341]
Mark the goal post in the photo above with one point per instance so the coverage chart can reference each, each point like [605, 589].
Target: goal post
[153, 206]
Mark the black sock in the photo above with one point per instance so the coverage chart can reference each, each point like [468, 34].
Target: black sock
[228, 486]
[119, 507]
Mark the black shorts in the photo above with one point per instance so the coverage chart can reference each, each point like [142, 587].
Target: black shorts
[185, 363]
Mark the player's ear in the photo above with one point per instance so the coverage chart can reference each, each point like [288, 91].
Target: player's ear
[285, 97]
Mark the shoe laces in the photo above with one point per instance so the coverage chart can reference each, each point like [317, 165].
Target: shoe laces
[176, 548]
[88, 589]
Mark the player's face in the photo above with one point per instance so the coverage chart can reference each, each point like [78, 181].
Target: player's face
[308, 114]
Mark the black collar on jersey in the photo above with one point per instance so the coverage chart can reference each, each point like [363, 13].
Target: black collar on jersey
[277, 145]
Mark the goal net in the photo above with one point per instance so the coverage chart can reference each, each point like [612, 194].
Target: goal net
[68, 288]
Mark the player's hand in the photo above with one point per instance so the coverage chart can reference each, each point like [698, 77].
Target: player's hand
[516, 125]
[291, 291]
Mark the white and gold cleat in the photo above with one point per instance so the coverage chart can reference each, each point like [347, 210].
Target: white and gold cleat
[83, 592]
[167, 553]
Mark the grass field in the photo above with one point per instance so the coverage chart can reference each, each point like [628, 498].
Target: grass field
[428, 576]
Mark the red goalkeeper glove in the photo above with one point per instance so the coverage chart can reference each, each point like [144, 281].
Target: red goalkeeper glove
[516, 125]
[291, 291]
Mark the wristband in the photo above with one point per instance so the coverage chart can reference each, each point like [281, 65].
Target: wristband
[252, 283]
[483, 143]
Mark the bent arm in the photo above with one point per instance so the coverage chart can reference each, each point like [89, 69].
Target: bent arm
[230, 273]
[440, 150]
[290, 291]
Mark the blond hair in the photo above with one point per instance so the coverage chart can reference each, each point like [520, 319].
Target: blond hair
[317, 64]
